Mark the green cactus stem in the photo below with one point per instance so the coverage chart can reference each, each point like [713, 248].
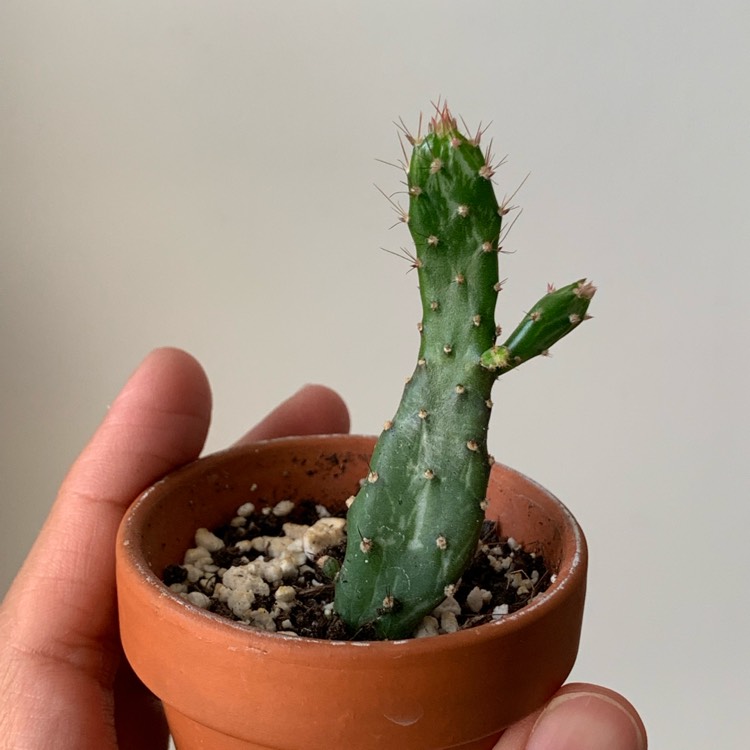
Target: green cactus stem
[555, 315]
[414, 526]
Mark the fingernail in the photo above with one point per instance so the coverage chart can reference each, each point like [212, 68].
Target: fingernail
[586, 721]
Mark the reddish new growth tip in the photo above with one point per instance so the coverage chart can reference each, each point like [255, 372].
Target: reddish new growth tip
[443, 122]
[585, 290]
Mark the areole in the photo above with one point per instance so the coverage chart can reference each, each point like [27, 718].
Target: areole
[227, 687]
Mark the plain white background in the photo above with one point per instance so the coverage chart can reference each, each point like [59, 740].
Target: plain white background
[201, 174]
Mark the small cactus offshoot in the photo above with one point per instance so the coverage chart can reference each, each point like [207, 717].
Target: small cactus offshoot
[414, 526]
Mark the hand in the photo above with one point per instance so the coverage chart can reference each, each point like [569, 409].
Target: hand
[64, 683]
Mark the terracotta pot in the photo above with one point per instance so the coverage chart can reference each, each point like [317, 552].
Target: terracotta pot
[225, 687]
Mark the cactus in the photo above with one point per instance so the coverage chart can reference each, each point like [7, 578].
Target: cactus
[414, 526]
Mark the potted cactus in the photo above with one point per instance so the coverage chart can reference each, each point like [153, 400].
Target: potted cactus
[418, 499]
[421, 510]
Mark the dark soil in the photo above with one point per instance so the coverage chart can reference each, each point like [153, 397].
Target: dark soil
[314, 591]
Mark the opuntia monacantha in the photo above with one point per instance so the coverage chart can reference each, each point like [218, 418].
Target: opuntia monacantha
[414, 526]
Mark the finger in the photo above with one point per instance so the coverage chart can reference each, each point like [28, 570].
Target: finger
[313, 410]
[579, 717]
[158, 422]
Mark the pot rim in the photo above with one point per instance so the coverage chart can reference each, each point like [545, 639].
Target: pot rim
[571, 567]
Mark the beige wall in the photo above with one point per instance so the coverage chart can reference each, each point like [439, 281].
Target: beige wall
[200, 174]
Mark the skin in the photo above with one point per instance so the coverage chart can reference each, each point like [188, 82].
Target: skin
[63, 680]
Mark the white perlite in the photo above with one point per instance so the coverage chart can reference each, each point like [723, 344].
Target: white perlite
[197, 556]
[208, 540]
[285, 594]
[284, 508]
[200, 600]
[477, 598]
[239, 587]
[428, 627]
[500, 611]
[322, 535]
[282, 560]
